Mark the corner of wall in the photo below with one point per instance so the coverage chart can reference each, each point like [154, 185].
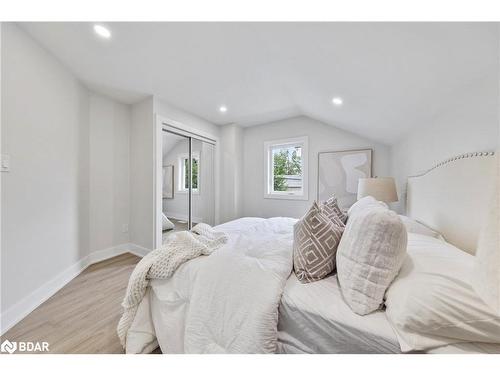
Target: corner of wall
[231, 151]
[142, 159]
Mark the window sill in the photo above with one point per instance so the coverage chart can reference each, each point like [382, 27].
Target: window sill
[291, 197]
[197, 192]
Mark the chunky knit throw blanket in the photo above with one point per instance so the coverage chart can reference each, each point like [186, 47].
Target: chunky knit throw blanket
[162, 263]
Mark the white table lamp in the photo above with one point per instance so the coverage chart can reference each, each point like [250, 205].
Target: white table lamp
[381, 188]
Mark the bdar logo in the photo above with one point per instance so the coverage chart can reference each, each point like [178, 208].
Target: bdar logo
[8, 347]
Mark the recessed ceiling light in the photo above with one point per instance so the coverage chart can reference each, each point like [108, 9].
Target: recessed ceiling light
[102, 31]
[223, 109]
[337, 101]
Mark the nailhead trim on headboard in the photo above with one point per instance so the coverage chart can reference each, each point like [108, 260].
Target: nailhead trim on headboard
[447, 161]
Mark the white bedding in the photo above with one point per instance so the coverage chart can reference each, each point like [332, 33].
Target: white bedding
[313, 318]
[223, 303]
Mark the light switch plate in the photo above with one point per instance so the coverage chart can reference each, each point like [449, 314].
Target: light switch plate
[5, 163]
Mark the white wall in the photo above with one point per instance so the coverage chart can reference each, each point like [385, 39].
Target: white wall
[467, 123]
[1, 152]
[322, 137]
[142, 154]
[171, 112]
[67, 193]
[231, 146]
[45, 195]
[110, 124]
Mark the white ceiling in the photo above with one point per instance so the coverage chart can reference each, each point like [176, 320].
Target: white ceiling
[392, 76]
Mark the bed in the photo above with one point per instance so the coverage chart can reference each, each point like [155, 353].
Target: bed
[313, 318]
[330, 326]
[310, 318]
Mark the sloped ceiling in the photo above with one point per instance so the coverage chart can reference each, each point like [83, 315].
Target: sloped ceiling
[391, 76]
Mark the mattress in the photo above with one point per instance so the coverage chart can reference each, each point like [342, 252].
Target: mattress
[313, 318]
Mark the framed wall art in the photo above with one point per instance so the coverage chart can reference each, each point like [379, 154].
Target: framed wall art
[339, 172]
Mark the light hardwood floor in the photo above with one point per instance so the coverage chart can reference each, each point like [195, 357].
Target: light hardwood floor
[82, 316]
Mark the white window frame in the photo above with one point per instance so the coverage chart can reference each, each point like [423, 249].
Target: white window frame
[268, 168]
[182, 173]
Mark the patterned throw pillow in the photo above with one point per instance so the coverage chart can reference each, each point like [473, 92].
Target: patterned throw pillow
[332, 210]
[315, 241]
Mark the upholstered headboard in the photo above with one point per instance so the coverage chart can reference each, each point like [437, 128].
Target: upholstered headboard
[453, 196]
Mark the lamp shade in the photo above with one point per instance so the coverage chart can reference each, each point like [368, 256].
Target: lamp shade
[381, 188]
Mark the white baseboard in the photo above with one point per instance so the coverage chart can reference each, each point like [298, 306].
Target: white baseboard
[21, 309]
[110, 252]
[137, 250]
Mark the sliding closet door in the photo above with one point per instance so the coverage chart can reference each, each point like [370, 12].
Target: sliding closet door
[188, 193]
[176, 183]
[203, 182]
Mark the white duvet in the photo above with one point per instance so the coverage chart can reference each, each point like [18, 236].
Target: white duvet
[228, 303]
[223, 303]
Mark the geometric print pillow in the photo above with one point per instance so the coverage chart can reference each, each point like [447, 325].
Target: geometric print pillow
[332, 210]
[315, 242]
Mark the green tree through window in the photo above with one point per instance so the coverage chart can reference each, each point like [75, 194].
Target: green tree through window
[194, 165]
[287, 162]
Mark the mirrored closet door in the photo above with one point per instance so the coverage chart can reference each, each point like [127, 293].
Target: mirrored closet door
[203, 183]
[188, 184]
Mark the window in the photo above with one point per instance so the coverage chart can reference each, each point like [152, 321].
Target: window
[286, 169]
[184, 173]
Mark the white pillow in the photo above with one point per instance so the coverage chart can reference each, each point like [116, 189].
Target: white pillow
[363, 204]
[431, 302]
[167, 224]
[369, 256]
[413, 226]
